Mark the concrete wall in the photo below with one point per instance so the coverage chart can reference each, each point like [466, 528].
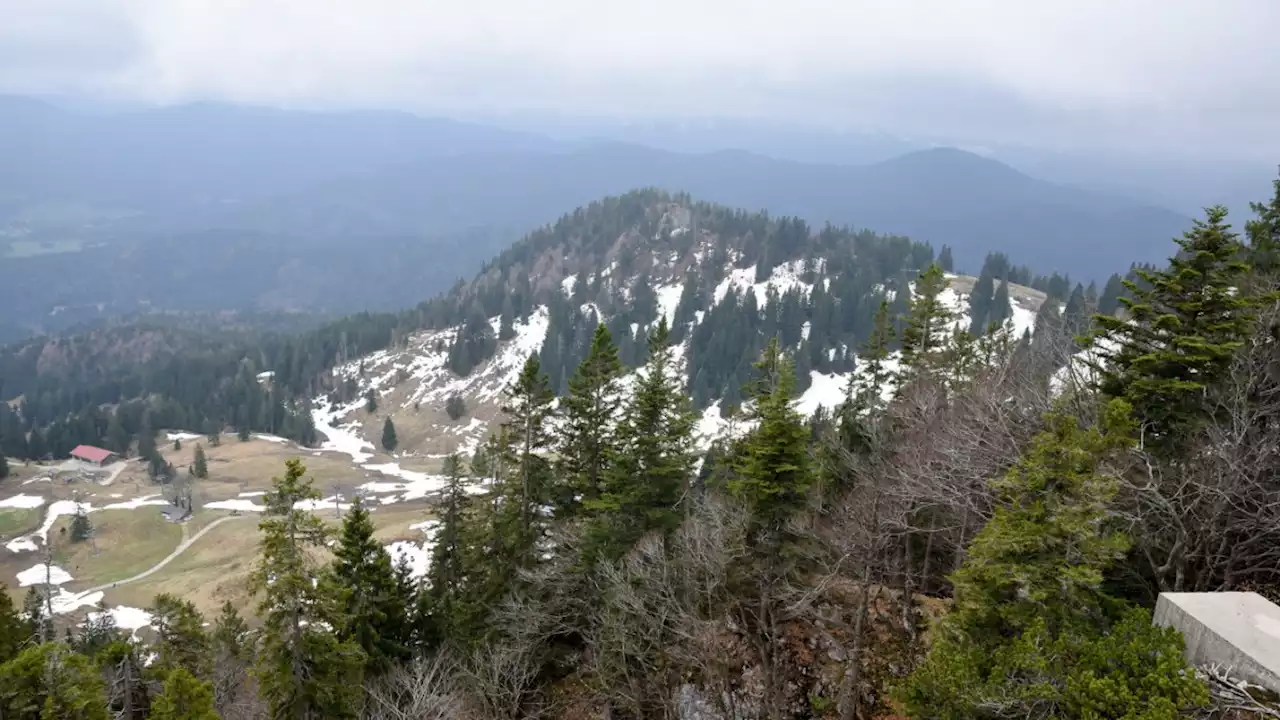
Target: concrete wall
[1237, 631]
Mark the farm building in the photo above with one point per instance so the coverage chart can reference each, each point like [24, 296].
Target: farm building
[94, 455]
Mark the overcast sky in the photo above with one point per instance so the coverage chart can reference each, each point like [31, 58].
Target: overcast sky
[1195, 75]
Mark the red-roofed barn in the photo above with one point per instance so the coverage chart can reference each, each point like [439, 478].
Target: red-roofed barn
[95, 455]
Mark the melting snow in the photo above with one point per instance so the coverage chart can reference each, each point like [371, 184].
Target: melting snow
[135, 503]
[127, 618]
[824, 390]
[184, 436]
[568, 284]
[26, 502]
[272, 438]
[21, 544]
[418, 555]
[37, 575]
[64, 602]
[669, 301]
[243, 505]
[258, 493]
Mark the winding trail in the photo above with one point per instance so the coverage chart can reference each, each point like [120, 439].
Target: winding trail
[182, 546]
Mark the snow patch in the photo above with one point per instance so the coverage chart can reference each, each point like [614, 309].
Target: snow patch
[136, 503]
[825, 390]
[418, 555]
[568, 284]
[37, 575]
[242, 505]
[26, 502]
[183, 436]
[272, 438]
[64, 602]
[669, 301]
[22, 544]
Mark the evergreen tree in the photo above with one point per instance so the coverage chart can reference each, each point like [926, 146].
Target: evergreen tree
[184, 697]
[864, 396]
[527, 411]
[232, 655]
[1031, 631]
[117, 436]
[4, 467]
[181, 641]
[587, 439]
[928, 329]
[1076, 314]
[200, 466]
[81, 528]
[367, 611]
[1184, 326]
[647, 484]
[447, 571]
[981, 300]
[51, 682]
[455, 406]
[1264, 234]
[15, 630]
[389, 440]
[370, 401]
[177, 444]
[1000, 307]
[147, 440]
[771, 465]
[1111, 294]
[945, 260]
[303, 671]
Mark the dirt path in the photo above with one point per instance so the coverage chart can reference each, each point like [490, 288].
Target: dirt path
[182, 546]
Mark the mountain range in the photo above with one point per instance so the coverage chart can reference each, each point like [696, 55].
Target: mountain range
[213, 207]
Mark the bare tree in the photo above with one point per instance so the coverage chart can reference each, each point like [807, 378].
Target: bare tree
[424, 689]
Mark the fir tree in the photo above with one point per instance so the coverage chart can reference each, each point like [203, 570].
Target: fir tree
[447, 571]
[200, 466]
[528, 408]
[771, 465]
[232, 655]
[81, 528]
[927, 330]
[4, 467]
[370, 401]
[303, 671]
[649, 479]
[1000, 308]
[945, 260]
[587, 439]
[389, 440]
[1184, 326]
[147, 440]
[181, 641]
[864, 396]
[981, 301]
[1109, 302]
[455, 406]
[1031, 631]
[51, 682]
[15, 630]
[1264, 234]
[367, 611]
[183, 697]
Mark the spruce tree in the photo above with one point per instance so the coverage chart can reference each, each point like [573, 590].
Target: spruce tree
[528, 410]
[1111, 294]
[1031, 631]
[183, 697]
[51, 682]
[200, 466]
[648, 483]
[232, 655]
[864, 396]
[771, 465]
[447, 571]
[367, 611]
[370, 401]
[147, 440]
[945, 260]
[81, 528]
[587, 436]
[4, 467]
[15, 630]
[303, 671]
[981, 301]
[1184, 326]
[389, 439]
[181, 641]
[1264, 235]
[927, 330]
[1001, 310]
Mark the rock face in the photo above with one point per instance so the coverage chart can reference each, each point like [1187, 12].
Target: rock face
[1239, 631]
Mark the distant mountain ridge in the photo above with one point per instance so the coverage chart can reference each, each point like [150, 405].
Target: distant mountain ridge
[942, 196]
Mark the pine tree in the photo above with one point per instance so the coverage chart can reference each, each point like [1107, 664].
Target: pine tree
[864, 397]
[981, 301]
[1031, 630]
[771, 465]
[370, 401]
[1076, 314]
[455, 406]
[389, 440]
[927, 330]
[184, 697]
[587, 438]
[367, 611]
[1000, 308]
[232, 655]
[447, 571]
[117, 437]
[527, 411]
[303, 672]
[81, 528]
[1264, 234]
[51, 682]
[945, 260]
[1111, 294]
[647, 485]
[181, 641]
[4, 467]
[15, 630]
[147, 440]
[200, 465]
[1184, 326]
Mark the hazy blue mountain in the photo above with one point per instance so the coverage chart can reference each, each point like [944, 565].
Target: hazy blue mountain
[944, 196]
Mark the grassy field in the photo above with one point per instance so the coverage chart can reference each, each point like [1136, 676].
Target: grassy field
[128, 542]
[18, 521]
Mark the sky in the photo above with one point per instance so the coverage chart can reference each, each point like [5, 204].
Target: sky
[1197, 76]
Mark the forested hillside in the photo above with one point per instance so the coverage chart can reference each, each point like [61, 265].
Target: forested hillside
[978, 530]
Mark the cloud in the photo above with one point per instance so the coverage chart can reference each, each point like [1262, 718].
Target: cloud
[1083, 70]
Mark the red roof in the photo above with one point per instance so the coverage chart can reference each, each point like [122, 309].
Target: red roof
[91, 453]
